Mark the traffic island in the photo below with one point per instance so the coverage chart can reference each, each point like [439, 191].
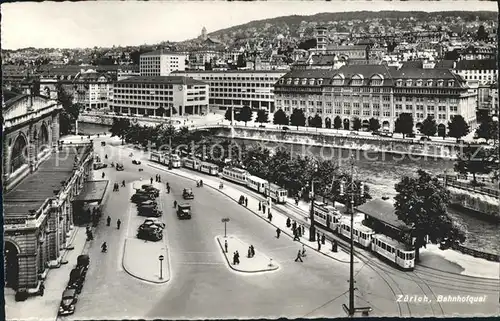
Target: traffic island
[147, 261]
[255, 264]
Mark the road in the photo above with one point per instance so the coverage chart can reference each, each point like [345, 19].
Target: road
[202, 286]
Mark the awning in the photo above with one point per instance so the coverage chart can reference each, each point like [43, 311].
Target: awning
[93, 191]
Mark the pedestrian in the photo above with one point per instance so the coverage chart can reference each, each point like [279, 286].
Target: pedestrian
[123, 183]
[303, 229]
[159, 178]
[246, 202]
[249, 254]
[103, 175]
[297, 201]
[151, 179]
[118, 223]
[260, 206]
[294, 225]
[317, 236]
[225, 246]
[319, 245]
[168, 189]
[278, 232]
[234, 258]
[237, 257]
[299, 231]
[42, 289]
[108, 221]
[263, 208]
[296, 236]
[298, 258]
[252, 251]
[323, 239]
[288, 222]
[270, 216]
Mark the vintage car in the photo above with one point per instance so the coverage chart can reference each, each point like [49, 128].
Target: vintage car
[151, 189]
[149, 211]
[154, 221]
[99, 165]
[141, 197]
[148, 203]
[83, 261]
[150, 232]
[68, 302]
[184, 211]
[119, 167]
[187, 194]
[136, 162]
[76, 278]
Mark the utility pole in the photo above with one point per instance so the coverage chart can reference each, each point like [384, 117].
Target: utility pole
[351, 190]
[312, 229]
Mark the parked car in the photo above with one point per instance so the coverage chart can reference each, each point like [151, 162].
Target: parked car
[76, 278]
[136, 162]
[148, 203]
[149, 212]
[187, 194]
[155, 221]
[68, 302]
[99, 166]
[149, 232]
[151, 189]
[119, 167]
[83, 261]
[139, 198]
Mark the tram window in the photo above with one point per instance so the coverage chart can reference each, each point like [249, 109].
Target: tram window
[383, 246]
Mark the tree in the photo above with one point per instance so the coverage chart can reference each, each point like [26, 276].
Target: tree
[488, 129]
[356, 124]
[262, 116]
[481, 33]
[337, 122]
[404, 124]
[429, 126]
[421, 203]
[482, 115]
[245, 114]
[229, 114]
[280, 118]
[458, 127]
[317, 121]
[307, 44]
[474, 159]
[70, 110]
[121, 128]
[241, 61]
[373, 124]
[298, 118]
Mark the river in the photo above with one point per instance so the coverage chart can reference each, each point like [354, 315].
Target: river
[381, 172]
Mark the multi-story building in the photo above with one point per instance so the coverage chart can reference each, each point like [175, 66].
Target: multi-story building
[161, 63]
[485, 71]
[155, 95]
[93, 90]
[238, 88]
[40, 181]
[378, 91]
[478, 53]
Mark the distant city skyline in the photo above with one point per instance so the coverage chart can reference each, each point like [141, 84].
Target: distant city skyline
[130, 23]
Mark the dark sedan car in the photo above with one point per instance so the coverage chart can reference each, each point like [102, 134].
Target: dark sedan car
[68, 302]
[136, 162]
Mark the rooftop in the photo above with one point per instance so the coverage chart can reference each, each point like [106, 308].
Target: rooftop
[32, 192]
[229, 72]
[485, 64]
[161, 52]
[382, 211]
[177, 80]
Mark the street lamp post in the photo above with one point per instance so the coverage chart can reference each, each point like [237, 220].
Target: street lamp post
[161, 258]
[225, 220]
[312, 229]
[350, 191]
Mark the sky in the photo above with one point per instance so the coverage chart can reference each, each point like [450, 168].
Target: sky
[121, 23]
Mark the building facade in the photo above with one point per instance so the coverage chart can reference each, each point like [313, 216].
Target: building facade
[161, 63]
[157, 95]
[40, 178]
[93, 90]
[378, 91]
[484, 71]
[238, 88]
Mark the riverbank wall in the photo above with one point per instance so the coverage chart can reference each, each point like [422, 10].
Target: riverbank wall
[482, 206]
[374, 144]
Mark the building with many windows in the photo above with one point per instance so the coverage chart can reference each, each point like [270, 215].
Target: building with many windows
[378, 91]
[93, 90]
[157, 95]
[238, 88]
[485, 71]
[161, 63]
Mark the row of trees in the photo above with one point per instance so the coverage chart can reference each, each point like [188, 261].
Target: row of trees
[70, 111]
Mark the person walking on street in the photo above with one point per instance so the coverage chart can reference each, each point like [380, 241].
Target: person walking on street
[118, 223]
[319, 245]
[288, 222]
[234, 258]
[299, 257]
[270, 216]
[278, 232]
[225, 246]
[252, 251]
[294, 225]
[175, 204]
[237, 257]
[151, 180]
[123, 183]
[260, 206]
[108, 221]
[246, 202]
[296, 236]
[249, 255]
[323, 239]
[299, 231]
[103, 175]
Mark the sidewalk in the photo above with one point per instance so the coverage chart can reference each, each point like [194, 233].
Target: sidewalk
[278, 219]
[46, 307]
[256, 264]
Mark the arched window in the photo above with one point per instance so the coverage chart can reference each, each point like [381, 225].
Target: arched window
[338, 79]
[19, 154]
[419, 83]
[311, 81]
[377, 80]
[357, 80]
[43, 137]
[399, 82]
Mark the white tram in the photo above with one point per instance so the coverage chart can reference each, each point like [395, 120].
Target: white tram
[361, 234]
[192, 163]
[209, 168]
[175, 160]
[236, 175]
[277, 194]
[156, 157]
[394, 251]
[326, 215]
[256, 183]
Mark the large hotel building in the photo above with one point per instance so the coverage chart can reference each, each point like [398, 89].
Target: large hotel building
[378, 91]
[238, 88]
[147, 95]
[161, 63]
